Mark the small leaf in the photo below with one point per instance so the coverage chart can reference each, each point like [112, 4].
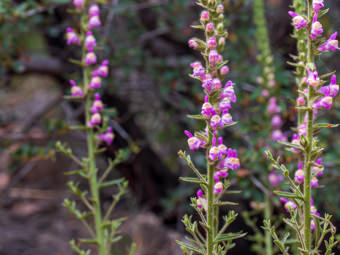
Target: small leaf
[190, 247]
[229, 237]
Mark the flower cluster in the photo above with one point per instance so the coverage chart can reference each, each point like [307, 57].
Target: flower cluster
[215, 112]
[89, 43]
[314, 95]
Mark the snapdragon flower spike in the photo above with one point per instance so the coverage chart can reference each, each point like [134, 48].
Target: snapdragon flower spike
[298, 20]
[97, 104]
[317, 5]
[96, 82]
[90, 41]
[103, 69]
[299, 174]
[107, 137]
[207, 109]
[72, 37]
[331, 44]
[316, 28]
[76, 91]
[90, 58]
[194, 142]
[79, 4]
[288, 205]
[275, 179]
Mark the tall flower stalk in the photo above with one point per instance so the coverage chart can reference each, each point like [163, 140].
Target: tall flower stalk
[311, 229]
[103, 230]
[220, 160]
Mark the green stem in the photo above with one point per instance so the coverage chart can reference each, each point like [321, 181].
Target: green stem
[93, 172]
[268, 236]
[307, 161]
[210, 211]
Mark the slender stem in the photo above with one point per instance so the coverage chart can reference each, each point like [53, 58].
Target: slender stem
[307, 161]
[210, 212]
[93, 172]
[267, 215]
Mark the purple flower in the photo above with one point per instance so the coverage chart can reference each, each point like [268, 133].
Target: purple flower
[296, 141]
[79, 4]
[97, 104]
[226, 118]
[299, 174]
[332, 89]
[207, 84]
[312, 224]
[103, 69]
[107, 137]
[318, 171]
[94, 22]
[91, 58]
[331, 44]
[90, 41]
[199, 193]
[228, 91]
[94, 10]
[300, 101]
[325, 102]
[221, 147]
[194, 142]
[214, 57]
[71, 37]
[218, 187]
[277, 135]
[275, 179]
[76, 91]
[317, 5]
[232, 161]
[313, 78]
[95, 83]
[224, 70]
[224, 105]
[273, 107]
[96, 119]
[193, 44]
[215, 121]
[289, 205]
[214, 152]
[298, 20]
[316, 28]
[276, 121]
[314, 182]
[210, 28]
[207, 109]
[204, 16]
[216, 84]
[212, 44]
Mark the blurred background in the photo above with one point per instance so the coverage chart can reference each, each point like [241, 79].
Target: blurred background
[151, 92]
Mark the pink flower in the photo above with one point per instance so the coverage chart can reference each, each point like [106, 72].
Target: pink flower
[226, 119]
[97, 104]
[218, 187]
[318, 171]
[199, 193]
[331, 44]
[193, 44]
[103, 69]
[299, 174]
[224, 105]
[276, 121]
[204, 16]
[94, 10]
[228, 91]
[107, 137]
[210, 28]
[94, 22]
[212, 44]
[71, 37]
[214, 57]
[317, 5]
[314, 182]
[316, 28]
[95, 83]
[90, 41]
[301, 101]
[275, 179]
[273, 107]
[298, 20]
[313, 78]
[76, 91]
[232, 161]
[79, 4]
[215, 121]
[219, 8]
[91, 58]
[194, 142]
[207, 109]
[332, 89]
[96, 119]
[289, 205]
[277, 135]
[224, 70]
[216, 84]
